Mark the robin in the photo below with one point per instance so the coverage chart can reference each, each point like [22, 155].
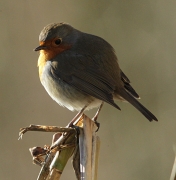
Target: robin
[80, 71]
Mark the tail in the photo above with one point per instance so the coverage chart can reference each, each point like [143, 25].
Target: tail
[128, 97]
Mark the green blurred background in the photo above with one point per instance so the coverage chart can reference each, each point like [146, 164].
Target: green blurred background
[143, 35]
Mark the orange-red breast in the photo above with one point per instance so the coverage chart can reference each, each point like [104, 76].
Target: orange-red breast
[81, 70]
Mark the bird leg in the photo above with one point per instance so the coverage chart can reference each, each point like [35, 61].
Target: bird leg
[97, 113]
[96, 116]
[81, 112]
[76, 117]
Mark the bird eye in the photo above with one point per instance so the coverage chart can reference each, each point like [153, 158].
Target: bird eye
[57, 41]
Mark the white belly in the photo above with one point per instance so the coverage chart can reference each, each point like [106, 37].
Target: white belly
[65, 95]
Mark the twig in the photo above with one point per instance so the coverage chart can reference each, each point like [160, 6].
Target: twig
[64, 145]
[43, 128]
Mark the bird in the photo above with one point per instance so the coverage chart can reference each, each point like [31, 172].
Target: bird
[80, 71]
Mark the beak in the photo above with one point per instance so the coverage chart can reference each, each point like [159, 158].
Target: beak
[40, 48]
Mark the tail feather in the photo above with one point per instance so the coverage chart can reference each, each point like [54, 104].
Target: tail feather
[128, 97]
[127, 85]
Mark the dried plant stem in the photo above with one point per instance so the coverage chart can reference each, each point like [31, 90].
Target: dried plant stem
[86, 152]
[54, 169]
[89, 145]
[173, 173]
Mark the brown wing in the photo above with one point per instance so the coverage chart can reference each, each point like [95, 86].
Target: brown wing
[86, 78]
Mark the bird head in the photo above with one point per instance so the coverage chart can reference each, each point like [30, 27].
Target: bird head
[56, 38]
